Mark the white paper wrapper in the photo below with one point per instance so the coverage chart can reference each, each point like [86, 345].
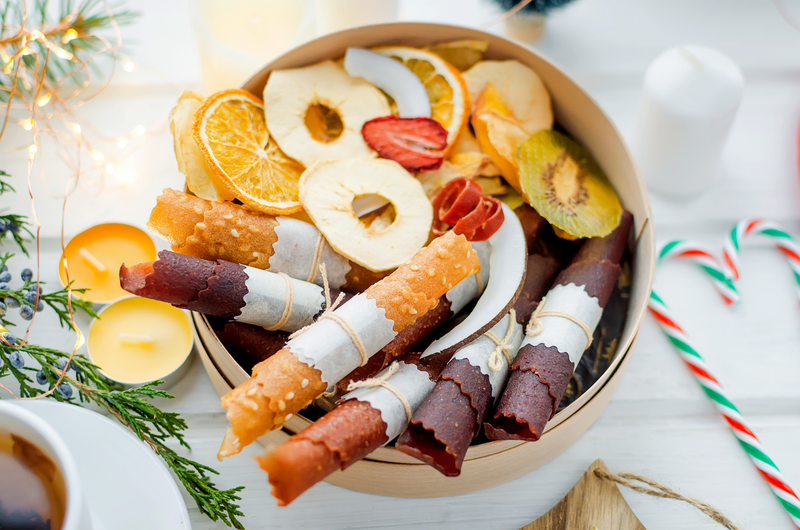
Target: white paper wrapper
[478, 351]
[412, 382]
[294, 253]
[467, 289]
[562, 333]
[328, 348]
[266, 298]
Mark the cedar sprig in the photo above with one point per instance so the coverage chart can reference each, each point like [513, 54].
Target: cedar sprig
[132, 408]
[57, 300]
[10, 223]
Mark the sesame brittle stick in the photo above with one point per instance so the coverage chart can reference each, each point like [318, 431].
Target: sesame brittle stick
[223, 230]
[343, 339]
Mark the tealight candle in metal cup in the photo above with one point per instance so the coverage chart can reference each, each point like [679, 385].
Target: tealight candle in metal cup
[137, 340]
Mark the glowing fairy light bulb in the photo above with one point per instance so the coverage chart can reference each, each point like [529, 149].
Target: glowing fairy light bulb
[32, 151]
[44, 100]
[69, 35]
[128, 66]
[97, 155]
[109, 168]
[139, 130]
[76, 128]
[64, 54]
[122, 143]
[27, 124]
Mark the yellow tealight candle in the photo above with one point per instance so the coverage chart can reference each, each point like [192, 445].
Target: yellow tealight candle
[95, 255]
[137, 340]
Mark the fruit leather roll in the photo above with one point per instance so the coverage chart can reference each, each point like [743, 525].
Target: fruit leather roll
[224, 289]
[556, 341]
[363, 421]
[449, 305]
[447, 421]
[341, 340]
[248, 344]
[223, 230]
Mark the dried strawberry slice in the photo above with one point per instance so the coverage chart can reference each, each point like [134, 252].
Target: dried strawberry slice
[414, 143]
[468, 211]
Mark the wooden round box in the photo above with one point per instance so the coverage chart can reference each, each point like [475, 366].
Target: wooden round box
[388, 471]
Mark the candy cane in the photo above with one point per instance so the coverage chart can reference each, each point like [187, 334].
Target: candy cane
[713, 389]
[785, 243]
[706, 260]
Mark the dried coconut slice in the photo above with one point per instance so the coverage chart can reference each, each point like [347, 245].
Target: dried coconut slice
[507, 272]
[327, 191]
[316, 113]
[392, 77]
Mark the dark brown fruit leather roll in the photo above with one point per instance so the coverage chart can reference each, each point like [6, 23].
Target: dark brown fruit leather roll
[249, 344]
[540, 374]
[447, 421]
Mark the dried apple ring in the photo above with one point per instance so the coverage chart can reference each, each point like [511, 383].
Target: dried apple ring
[327, 191]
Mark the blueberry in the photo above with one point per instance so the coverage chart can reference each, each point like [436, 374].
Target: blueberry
[40, 306]
[3, 228]
[16, 360]
[4, 287]
[65, 390]
[26, 312]
[41, 378]
[10, 338]
[4, 269]
[14, 227]
[2, 309]
[12, 302]
[26, 274]
[5, 277]
[61, 364]
[31, 297]
[35, 287]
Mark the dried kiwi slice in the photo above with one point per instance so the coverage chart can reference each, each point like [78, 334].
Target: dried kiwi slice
[562, 182]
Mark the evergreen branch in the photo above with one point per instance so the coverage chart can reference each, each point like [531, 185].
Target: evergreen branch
[12, 223]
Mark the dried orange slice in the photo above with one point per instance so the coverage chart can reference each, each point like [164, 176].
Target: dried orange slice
[446, 89]
[232, 134]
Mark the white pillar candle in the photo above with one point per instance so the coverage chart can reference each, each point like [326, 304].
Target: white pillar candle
[336, 15]
[691, 94]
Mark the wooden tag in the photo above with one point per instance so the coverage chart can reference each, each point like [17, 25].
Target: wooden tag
[591, 504]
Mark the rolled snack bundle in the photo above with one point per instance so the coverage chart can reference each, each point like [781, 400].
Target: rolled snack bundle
[228, 290]
[450, 417]
[223, 230]
[449, 305]
[341, 340]
[248, 344]
[559, 332]
[374, 412]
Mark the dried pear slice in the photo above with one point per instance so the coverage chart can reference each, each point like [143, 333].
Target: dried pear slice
[327, 191]
[562, 182]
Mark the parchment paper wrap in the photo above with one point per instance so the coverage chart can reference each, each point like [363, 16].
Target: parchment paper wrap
[224, 289]
[293, 253]
[545, 362]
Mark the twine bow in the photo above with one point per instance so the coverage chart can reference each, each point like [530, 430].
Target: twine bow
[329, 314]
[535, 325]
[503, 347]
[382, 380]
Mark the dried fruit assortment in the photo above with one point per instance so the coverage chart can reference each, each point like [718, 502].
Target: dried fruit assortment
[428, 176]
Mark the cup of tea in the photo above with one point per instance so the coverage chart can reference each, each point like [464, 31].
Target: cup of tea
[40, 483]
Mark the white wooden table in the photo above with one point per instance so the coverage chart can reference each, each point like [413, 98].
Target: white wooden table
[659, 423]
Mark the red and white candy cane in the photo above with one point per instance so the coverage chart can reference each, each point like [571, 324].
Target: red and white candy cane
[700, 255]
[746, 227]
[713, 389]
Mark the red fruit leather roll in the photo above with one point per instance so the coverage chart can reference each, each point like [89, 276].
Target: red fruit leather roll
[249, 344]
[228, 290]
[344, 435]
[447, 421]
[540, 373]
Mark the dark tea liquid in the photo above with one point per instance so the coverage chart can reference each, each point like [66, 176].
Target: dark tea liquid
[32, 489]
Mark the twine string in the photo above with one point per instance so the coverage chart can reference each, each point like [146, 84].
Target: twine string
[315, 262]
[535, 325]
[503, 347]
[508, 14]
[329, 314]
[288, 305]
[382, 381]
[660, 490]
